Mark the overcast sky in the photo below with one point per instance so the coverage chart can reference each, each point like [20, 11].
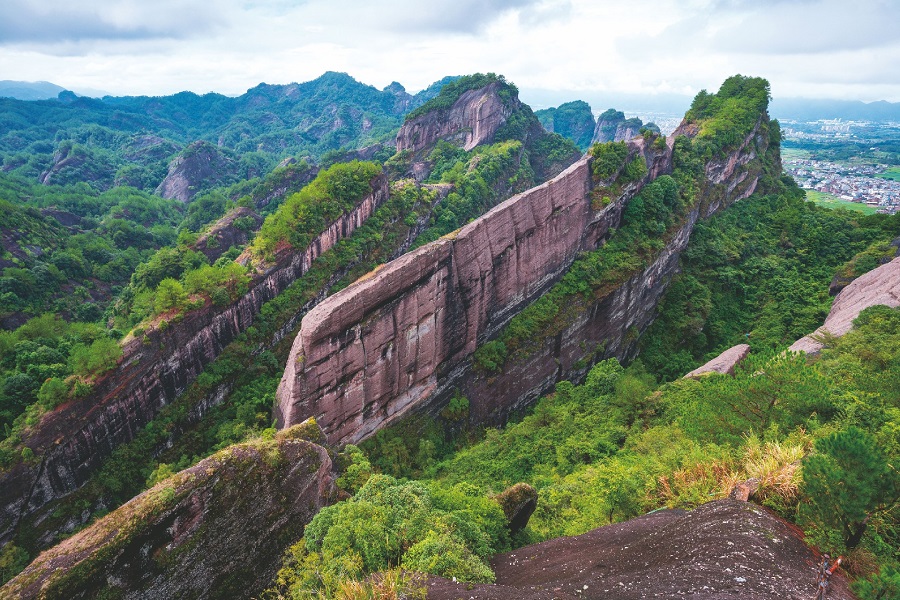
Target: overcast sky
[814, 48]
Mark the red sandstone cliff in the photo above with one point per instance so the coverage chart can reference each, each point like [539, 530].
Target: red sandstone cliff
[401, 340]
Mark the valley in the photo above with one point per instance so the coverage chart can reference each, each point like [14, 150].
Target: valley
[432, 333]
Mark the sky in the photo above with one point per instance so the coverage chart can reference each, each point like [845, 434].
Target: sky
[845, 49]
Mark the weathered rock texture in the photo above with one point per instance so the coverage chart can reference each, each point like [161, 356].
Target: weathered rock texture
[71, 442]
[472, 120]
[880, 286]
[724, 363]
[224, 234]
[612, 126]
[216, 530]
[200, 166]
[402, 339]
[719, 551]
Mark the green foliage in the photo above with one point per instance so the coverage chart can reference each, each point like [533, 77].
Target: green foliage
[881, 586]
[725, 118]
[572, 120]
[451, 92]
[12, 561]
[96, 359]
[306, 213]
[444, 531]
[609, 158]
[847, 480]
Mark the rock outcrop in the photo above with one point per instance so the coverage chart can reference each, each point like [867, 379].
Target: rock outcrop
[612, 126]
[216, 530]
[71, 442]
[231, 230]
[724, 363]
[719, 551]
[518, 503]
[472, 120]
[200, 166]
[402, 339]
[572, 120]
[880, 286]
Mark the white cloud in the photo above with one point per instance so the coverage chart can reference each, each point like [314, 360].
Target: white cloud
[831, 47]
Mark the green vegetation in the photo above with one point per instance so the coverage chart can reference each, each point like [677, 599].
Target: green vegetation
[452, 91]
[727, 117]
[830, 201]
[758, 273]
[572, 120]
[892, 173]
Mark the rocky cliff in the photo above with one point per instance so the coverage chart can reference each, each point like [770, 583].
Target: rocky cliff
[612, 126]
[233, 229]
[572, 120]
[71, 442]
[216, 530]
[473, 119]
[402, 339]
[200, 166]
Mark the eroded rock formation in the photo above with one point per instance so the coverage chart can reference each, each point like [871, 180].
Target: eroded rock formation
[200, 166]
[880, 286]
[402, 339]
[231, 230]
[612, 126]
[724, 363]
[472, 120]
[71, 442]
[216, 530]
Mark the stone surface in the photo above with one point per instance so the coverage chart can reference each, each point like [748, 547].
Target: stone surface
[216, 530]
[223, 234]
[200, 166]
[71, 442]
[401, 340]
[612, 126]
[880, 286]
[472, 120]
[719, 551]
[518, 503]
[724, 363]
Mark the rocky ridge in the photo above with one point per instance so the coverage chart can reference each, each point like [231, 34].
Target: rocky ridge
[71, 442]
[200, 166]
[612, 126]
[216, 530]
[402, 340]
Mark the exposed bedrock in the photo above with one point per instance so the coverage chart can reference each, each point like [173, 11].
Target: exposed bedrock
[472, 120]
[724, 363]
[71, 442]
[216, 530]
[402, 339]
[880, 286]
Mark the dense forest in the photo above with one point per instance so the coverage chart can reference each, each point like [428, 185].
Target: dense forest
[89, 264]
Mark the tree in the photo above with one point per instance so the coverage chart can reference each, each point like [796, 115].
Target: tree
[848, 481]
[170, 294]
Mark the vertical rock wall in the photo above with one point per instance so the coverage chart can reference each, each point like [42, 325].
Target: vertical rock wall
[406, 333]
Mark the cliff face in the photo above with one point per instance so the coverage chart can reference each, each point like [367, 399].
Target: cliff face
[402, 339]
[612, 126]
[199, 534]
[231, 230]
[199, 167]
[573, 120]
[71, 442]
[472, 120]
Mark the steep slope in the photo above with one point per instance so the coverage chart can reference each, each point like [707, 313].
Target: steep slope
[612, 126]
[403, 340]
[572, 120]
[197, 534]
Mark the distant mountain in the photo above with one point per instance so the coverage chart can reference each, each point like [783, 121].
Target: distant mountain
[573, 120]
[808, 109]
[29, 90]
[133, 139]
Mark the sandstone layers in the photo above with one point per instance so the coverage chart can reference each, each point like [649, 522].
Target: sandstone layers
[71, 442]
[401, 340]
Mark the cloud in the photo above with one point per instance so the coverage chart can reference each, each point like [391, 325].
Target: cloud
[64, 22]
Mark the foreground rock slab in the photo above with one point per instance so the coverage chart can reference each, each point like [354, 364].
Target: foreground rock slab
[724, 363]
[722, 550]
[216, 530]
[880, 286]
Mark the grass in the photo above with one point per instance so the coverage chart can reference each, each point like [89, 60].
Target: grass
[893, 173]
[831, 201]
[794, 154]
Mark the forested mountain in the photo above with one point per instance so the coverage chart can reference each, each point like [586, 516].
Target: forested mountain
[313, 380]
